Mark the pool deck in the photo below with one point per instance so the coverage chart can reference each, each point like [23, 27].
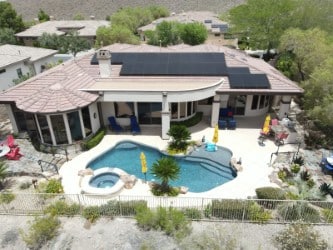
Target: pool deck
[243, 142]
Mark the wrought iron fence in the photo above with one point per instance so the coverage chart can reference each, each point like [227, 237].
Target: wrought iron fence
[246, 210]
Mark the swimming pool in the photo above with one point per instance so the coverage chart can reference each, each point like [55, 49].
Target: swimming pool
[199, 174]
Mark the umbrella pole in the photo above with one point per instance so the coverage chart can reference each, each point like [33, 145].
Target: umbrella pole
[145, 178]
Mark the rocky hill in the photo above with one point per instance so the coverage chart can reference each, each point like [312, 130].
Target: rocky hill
[67, 9]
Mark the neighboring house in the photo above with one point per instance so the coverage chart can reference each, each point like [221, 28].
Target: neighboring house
[216, 28]
[158, 85]
[16, 61]
[85, 28]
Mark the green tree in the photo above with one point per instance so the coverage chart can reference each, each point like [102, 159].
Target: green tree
[3, 174]
[194, 33]
[179, 134]
[22, 78]
[166, 169]
[115, 34]
[42, 16]
[263, 21]
[308, 48]
[166, 33]
[158, 11]
[9, 17]
[49, 41]
[7, 36]
[75, 43]
[78, 16]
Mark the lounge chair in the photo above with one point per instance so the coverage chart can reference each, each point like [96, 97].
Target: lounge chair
[222, 124]
[232, 124]
[114, 125]
[135, 128]
[14, 154]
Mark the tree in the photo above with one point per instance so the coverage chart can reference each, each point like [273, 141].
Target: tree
[263, 21]
[9, 17]
[7, 36]
[166, 169]
[75, 43]
[180, 134]
[49, 41]
[166, 33]
[194, 33]
[115, 34]
[158, 11]
[42, 16]
[307, 48]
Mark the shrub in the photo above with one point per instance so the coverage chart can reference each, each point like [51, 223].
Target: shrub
[305, 175]
[326, 189]
[158, 191]
[41, 230]
[310, 183]
[145, 218]
[62, 208]
[270, 196]
[258, 214]
[189, 122]
[300, 237]
[284, 174]
[6, 197]
[91, 213]
[94, 141]
[295, 168]
[193, 213]
[328, 215]
[25, 185]
[230, 209]
[54, 187]
[123, 208]
[298, 211]
[299, 160]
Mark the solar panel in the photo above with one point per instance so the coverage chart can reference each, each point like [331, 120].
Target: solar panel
[238, 70]
[249, 81]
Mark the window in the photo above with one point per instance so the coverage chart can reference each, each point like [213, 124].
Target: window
[255, 100]
[74, 125]
[19, 72]
[262, 102]
[59, 129]
[86, 121]
[2, 71]
[44, 127]
[124, 109]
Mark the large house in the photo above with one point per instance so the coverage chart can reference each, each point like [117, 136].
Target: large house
[84, 28]
[16, 61]
[158, 85]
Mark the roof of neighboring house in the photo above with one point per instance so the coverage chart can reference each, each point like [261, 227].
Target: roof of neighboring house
[85, 28]
[209, 19]
[76, 83]
[10, 54]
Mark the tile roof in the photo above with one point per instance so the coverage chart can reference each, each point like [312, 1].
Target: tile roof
[64, 88]
[10, 53]
[84, 27]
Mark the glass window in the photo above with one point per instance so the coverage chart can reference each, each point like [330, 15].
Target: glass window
[44, 127]
[19, 72]
[86, 121]
[182, 109]
[266, 100]
[262, 102]
[59, 129]
[124, 109]
[174, 110]
[75, 125]
[255, 100]
[149, 113]
[189, 108]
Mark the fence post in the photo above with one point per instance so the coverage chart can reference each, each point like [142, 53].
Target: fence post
[120, 208]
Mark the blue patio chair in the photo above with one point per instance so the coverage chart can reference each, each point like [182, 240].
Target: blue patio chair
[114, 126]
[232, 124]
[135, 128]
[222, 124]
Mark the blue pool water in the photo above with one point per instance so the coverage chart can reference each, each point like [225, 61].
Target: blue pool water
[105, 180]
[199, 174]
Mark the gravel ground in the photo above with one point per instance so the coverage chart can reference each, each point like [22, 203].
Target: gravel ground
[122, 233]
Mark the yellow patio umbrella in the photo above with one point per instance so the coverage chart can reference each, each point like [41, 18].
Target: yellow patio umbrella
[216, 134]
[143, 164]
[266, 128]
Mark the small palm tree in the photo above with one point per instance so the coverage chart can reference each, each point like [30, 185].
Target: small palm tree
[179, 134]
[166, 169]
[3, 173]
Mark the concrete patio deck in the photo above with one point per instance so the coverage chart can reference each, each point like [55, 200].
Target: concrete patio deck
[243, 142]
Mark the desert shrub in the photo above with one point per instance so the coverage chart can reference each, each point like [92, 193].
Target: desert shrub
[94, 141]
[284, 174]
[41, 230]
[298, 211]
[328, 215]
[326, 189]
[6, 198]
[171, 221]
[91, 213]
[193, 213]
[299, 237]
[295, 168]
[270, 196]
[157, 190]
[230, 209]
[208, 211]
[258, 213]
[310, 183]
[62, 208]
[123, 208]
[305, 175]
[299, 160]
[25, 185]
[54, 187]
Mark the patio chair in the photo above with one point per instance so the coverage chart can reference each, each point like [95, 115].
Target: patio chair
[135, 128]
[113, 125]
[222, 124]
[14, 154]
[232, 124]
[11, 141]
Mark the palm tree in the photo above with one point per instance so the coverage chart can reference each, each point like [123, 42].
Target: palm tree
[3, 173]
[180, 134]
[166, 169]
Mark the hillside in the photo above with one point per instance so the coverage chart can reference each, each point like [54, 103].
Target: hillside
[65, 9]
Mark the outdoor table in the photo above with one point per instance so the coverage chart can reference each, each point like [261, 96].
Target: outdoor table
[4, 150]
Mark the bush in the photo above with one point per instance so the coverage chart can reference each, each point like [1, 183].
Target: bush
[123, 208]
[258, 214]
[54, 187]
[62, 208]
[299, 160]
[305, 175]
[189, 122]
[284, 174]
[298, 211]
[230, 209]
[6, 198]
[41, 230]
[328, 215]
[25, 185]
[193, 213]
[91, 213]
[94, 141]
[300, 237]
[157, 190]
[295, 168]
[270, 196]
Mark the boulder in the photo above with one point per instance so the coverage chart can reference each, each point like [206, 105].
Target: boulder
[86, 171]
[238, 167]
[183, 190]
[129, 181]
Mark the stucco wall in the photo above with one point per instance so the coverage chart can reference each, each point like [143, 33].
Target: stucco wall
[102, 8]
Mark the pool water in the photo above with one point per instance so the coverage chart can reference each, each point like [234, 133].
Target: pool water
[197, 173]
[105, 180]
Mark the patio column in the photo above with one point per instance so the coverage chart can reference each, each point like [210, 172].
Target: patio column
[68, 130]
[49, 123]
[39, 129]
[165, 116]
[82, 124]
[284, 106]
[215, 111]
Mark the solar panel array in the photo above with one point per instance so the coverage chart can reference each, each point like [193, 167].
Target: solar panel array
[249, 81]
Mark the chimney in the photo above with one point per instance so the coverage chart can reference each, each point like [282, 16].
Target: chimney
[104, 61]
